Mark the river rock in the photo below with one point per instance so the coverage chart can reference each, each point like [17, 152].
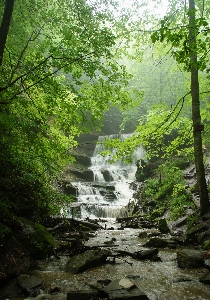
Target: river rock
[161, 243]
[86, 175]
[145, 254]
[82, 295]
[124, 289]
[30, 284]
[188, 258]
[205, 278]
[88, 259]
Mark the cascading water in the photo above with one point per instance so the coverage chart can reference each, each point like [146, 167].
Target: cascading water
[110, 192]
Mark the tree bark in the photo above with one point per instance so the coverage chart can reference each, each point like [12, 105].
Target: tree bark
[196, 117]
[5, 24]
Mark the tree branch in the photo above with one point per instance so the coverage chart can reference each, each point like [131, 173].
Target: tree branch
[48, 74]
[23, 51]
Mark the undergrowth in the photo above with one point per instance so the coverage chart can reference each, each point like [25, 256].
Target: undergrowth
[167, 191]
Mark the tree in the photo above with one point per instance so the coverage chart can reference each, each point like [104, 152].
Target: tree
[9, 5]
[187, 54]
[196, 117]
[187, 40]
[58, 75]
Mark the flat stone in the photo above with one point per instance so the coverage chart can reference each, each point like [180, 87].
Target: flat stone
[161, 243]
[88, 259]
[127, 284]
[116, 291]
[29, 283]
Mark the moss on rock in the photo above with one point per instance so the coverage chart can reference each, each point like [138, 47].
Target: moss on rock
[36, 239]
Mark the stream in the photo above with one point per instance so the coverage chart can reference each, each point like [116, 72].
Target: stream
[158, 280]
[105, 199]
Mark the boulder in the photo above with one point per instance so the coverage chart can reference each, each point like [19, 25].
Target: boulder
[145, 254]
[205, 278]
[68, 188]
[82, 159]
[86, 175]
[30, 284]
[10, 290]
[107, 175]
[36, 239]
[188, 258]
[14, 259]
[143, 234]
[88, 259]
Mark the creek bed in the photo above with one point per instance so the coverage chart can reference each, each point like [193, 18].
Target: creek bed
[158, 280]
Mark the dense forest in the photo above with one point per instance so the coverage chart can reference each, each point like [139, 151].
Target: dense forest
[67, 65]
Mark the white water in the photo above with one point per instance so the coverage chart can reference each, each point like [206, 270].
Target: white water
[110, 192]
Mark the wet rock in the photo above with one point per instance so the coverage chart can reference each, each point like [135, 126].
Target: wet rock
[133, 276]
[50, 297]
[107, 175]
[163, 226]
[137, 223]
[82, 295]
[182, 279]
[124, 289]
[54, 290]
[205, 278]
[83, 160]
[36, 239]
[10, 290]
[193, 233]
[30, 284]
[104, 281]
[145, 254]
[86, 175]
[14, 259]
[161, 243]
[188, 258]
[68, 188]
[86, 260]
[90, 225]
[109, 195]
[207, 263]
[179, 222]
[143, 234]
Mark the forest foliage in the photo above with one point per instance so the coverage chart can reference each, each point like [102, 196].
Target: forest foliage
[58, 75]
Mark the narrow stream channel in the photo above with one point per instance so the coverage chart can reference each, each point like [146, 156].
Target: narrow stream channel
[158, 280]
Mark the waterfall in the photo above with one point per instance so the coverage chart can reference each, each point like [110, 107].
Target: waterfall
[110, 192]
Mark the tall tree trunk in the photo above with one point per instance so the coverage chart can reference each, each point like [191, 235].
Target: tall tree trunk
[196, 117]
[4, 29]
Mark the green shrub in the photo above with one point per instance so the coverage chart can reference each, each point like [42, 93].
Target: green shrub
[167, 190]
